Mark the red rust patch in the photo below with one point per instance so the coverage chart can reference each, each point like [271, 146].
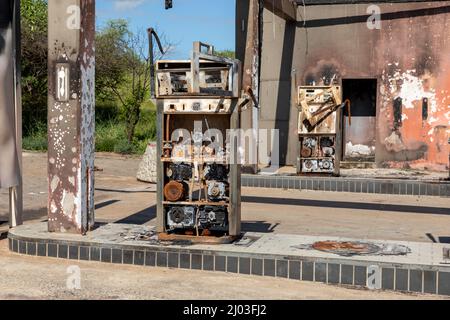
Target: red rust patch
[343, 247]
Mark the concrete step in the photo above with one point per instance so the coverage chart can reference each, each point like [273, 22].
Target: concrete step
[361, 184]
[358, 165]
[414, 266]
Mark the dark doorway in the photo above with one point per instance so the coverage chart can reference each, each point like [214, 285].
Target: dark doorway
[360, 137]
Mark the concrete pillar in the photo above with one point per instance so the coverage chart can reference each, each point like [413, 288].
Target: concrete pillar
[71, 115]
[248, 49]
[15, 205]
[16, 193]
[11, 108]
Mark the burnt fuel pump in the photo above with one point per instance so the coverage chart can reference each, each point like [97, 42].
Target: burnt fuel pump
[320, 130]
[198, 104]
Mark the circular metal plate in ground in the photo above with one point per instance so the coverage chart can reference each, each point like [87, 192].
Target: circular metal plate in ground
[347, 248]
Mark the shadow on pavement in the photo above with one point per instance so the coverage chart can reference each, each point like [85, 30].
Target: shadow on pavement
[124, 191]
[439, 239]
[141, 217]
[259, 226]
[347, 205]
[105, 204]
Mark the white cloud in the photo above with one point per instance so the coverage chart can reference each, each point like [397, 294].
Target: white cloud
[127, 4]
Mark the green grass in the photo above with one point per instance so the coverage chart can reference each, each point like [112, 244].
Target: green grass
[37, 140]
[145, 129]
[110, 133]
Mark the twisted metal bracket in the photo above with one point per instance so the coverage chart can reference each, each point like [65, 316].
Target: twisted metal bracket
[152, 34]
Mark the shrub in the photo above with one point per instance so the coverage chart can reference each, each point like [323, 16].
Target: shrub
[36, 140]
[107, 136]
[124, 147]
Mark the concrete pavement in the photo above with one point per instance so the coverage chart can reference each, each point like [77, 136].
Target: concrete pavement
[120, 198]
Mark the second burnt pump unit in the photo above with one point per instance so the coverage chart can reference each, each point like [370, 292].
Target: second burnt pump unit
[320, 130]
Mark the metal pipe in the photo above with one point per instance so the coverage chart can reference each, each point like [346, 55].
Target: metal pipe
[152, 34]
[168, 138]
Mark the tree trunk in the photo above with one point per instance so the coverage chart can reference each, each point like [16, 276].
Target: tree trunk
[130, 133]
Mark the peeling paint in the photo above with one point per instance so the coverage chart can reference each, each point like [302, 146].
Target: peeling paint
[54, 183]
[409, 58]
[68, 200]
[53, 209]
[358, 150]
[411, 88]
[415, 72]
[394, 143]
[71, 125]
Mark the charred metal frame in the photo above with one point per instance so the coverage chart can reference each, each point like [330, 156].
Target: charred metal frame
[177, 106]
[198, 55]
[152, 34]
[71, 115]
[327, 116]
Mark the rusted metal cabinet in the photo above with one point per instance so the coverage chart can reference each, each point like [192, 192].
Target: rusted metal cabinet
[199, 176]
[319, 130]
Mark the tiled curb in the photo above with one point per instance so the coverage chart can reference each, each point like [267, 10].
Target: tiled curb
[339, 184]
[397, 277]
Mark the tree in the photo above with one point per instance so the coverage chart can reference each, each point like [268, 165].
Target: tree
[226, 54]
[34, 62]
[123, 69]
[110, 52]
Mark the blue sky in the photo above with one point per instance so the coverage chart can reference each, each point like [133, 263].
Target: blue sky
[210, 21]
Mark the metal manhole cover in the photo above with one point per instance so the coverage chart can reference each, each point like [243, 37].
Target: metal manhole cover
[356, 248]
[347, 248]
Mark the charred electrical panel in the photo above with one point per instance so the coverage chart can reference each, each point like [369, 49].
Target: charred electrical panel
[198, 175]
[319, 130]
